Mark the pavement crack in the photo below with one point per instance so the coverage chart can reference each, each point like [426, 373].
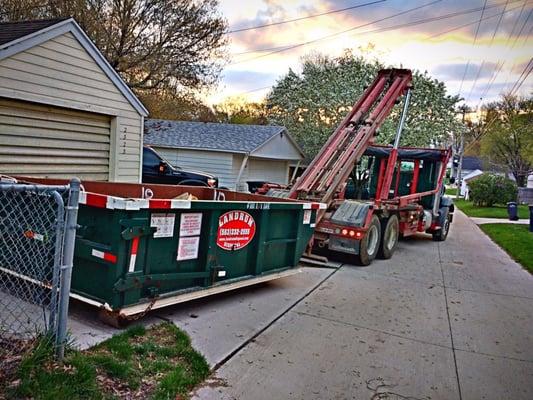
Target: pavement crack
[283, 313]
[494, 355]
[382, 390]
[372, 329]
[449, 322]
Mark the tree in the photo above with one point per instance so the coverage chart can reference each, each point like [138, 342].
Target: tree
[239, 111]
[508, 135]
[311, 104]
[184, 107]
[153, 44]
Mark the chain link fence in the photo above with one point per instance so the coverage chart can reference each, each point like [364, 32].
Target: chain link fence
[37, 234]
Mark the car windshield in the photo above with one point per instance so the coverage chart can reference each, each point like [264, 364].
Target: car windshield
[165, 160]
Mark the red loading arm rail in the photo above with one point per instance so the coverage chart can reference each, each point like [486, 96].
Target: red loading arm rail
[331, 167]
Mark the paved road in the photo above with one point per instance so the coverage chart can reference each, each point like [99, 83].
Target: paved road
[450, 320]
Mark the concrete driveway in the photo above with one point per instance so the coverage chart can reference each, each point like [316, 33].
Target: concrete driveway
[450, 320]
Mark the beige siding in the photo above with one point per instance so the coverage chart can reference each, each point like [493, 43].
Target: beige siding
[275, 171]
[280, 147]
[60, 72]
[52, 142]
[268, 170]
[216, 163]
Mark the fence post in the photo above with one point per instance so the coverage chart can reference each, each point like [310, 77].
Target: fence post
[71, 219]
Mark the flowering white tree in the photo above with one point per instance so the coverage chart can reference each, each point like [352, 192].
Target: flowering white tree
[311, 104]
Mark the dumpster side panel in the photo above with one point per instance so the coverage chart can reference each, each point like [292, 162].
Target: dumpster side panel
[126, 257]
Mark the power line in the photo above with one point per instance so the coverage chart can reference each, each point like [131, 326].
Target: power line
[473, 44]
[427, 20]
[476, 21]
[478, 74]
[307, 17]
[286, 47]
[501, 63]
[516, 41]
[336, 34]
[518, 83]
[525, 73]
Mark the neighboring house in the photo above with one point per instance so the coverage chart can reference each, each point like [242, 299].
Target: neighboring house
[467, 179]
[235, 153]
[469, 165]
[64, 111]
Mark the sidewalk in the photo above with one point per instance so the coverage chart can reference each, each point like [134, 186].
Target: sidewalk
[440, 320]
[480, 221]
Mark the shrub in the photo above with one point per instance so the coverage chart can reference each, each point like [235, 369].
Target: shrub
[489, 189]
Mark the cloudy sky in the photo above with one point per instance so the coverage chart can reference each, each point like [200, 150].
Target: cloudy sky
[437, 36]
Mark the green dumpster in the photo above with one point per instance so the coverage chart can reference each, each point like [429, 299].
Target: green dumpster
[144, 246]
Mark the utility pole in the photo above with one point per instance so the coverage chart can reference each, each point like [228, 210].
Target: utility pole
[461, 152]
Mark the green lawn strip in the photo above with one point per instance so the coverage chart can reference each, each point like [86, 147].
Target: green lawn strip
[156, 363]
[497, 211]
[451, 192]
[515, 239]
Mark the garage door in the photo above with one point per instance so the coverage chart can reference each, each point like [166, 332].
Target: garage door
[267, 170]
[53, 142]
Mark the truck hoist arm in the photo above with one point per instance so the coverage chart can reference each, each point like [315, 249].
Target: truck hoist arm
[332, 166]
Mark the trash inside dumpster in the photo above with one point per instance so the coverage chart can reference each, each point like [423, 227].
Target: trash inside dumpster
[142, 246]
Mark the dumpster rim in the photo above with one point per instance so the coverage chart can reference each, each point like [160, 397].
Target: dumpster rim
[119, 203]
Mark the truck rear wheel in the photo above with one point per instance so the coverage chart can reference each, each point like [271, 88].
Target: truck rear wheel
[390, 229]
[369, 245]
[442, 233]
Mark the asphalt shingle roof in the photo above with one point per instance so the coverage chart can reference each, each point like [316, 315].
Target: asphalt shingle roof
[206, 135]
[10, 31]
[472, 163]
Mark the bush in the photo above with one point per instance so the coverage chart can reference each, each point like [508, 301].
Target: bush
[489, 189]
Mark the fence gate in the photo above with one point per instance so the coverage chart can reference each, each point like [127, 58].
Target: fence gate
[37, 234]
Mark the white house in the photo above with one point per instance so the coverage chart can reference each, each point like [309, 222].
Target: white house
[235, 153]
[466, 179]
[64, 111]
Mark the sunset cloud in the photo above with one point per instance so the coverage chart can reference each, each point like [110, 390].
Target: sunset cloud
[401, 40]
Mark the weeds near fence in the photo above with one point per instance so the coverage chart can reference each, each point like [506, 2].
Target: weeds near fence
[156, 363]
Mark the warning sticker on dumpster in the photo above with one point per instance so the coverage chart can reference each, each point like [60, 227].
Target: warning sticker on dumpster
[235, 230]
[190, 224]
[188, 248]
[307, 217]
[164, 224]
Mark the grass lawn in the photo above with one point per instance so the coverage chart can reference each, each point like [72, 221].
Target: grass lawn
[451, 192]
[155, 363]
[497, 211]
[515, 239]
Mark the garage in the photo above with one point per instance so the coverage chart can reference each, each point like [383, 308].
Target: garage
[53, 142]
[64, 111]
[237, 154]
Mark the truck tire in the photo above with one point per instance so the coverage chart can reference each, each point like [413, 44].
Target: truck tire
[369, 245]
[390, 228]
[442, 233]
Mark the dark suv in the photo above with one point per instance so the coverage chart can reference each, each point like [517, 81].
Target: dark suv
[158, 170]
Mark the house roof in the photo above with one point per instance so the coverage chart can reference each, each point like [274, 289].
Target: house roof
[473, 174]
[10, 31]
[16, 37]
[472, 163]
[236, 138]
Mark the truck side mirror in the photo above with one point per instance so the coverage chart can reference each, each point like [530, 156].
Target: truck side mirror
[163, 167]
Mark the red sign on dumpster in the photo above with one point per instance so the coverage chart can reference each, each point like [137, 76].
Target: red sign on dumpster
[235, 230]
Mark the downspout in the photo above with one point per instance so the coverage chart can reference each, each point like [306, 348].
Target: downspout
[295, 171]
[241, 170]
